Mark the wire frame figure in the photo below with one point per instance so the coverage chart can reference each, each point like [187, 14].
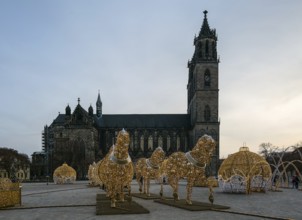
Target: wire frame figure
[149, 168]
[190, 165]
[116, 170]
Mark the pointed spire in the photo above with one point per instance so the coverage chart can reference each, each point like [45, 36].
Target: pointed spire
[205, 30]
[78, 100]
[99, 106]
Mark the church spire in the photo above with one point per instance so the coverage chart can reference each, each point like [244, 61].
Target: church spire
[205, 44]
[205, 31]
[99, 106]
[205, 28]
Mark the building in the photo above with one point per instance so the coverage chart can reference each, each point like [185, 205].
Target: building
[14, 165]
[38, 169]
[81, 137]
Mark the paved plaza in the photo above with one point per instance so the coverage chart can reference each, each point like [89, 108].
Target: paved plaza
[77, 201]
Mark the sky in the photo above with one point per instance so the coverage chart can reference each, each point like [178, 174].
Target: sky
[135, 53]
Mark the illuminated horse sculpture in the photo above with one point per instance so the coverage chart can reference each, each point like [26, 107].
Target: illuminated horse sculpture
[116, 169]
[149, 169]
[190, 165]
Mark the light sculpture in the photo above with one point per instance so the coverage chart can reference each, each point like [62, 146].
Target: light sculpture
[116, 169]
[243, 172]
[149, 168]
[190, 165]
[93, 176]
[5, 184]
[64, 174]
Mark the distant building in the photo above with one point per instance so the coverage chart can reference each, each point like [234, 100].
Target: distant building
[81, 137]
[38, 166]
[14, 165]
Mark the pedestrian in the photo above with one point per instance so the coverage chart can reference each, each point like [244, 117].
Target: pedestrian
[295, 181]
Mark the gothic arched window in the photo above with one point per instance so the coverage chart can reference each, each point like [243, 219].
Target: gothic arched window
[207, 113]
[131, 142]
[168, 142]
[207, 78]
[142, 142]
[177, 142]
[160, 142]
[150, 143]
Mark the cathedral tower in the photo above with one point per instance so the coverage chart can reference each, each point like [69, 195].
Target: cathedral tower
[203, 89]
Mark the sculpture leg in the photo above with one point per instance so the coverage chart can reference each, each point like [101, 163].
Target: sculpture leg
[122, 195]
[145, 184]
[174, 184]
[190, 182]
[148, 186]
[129, 188]
[112, 194]
[108, 189]
[112, 203]
[138, 179]
[161, 193]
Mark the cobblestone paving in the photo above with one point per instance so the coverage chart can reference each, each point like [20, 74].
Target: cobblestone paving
[77, 201]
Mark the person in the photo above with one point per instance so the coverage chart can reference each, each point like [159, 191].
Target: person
[295, 182]
[275, 180]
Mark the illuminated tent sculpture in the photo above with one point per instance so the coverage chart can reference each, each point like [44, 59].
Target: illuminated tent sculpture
[64, 174]
[243, 172]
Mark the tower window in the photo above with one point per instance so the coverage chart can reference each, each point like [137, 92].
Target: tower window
[207, 48]
[199, 47]
[213, 50]
[207, 78]
[207, 113]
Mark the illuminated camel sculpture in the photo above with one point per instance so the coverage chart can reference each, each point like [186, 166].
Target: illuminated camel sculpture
[93, 174]
[116, 169]
[190, 165]
[103, 172]
[149, 169]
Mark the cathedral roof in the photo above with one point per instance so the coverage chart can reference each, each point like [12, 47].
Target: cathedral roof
[145, 120]
[137, 120]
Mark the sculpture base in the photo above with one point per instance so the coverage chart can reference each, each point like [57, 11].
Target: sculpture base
[145, 196]
[103, 207]
[196, 206]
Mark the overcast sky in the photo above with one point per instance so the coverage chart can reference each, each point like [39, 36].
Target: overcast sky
[136, 52]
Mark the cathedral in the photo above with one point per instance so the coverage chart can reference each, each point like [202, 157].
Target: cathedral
[80, 137]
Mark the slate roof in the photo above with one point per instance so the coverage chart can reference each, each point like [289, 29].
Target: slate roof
[145, 121]
[137, 121]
